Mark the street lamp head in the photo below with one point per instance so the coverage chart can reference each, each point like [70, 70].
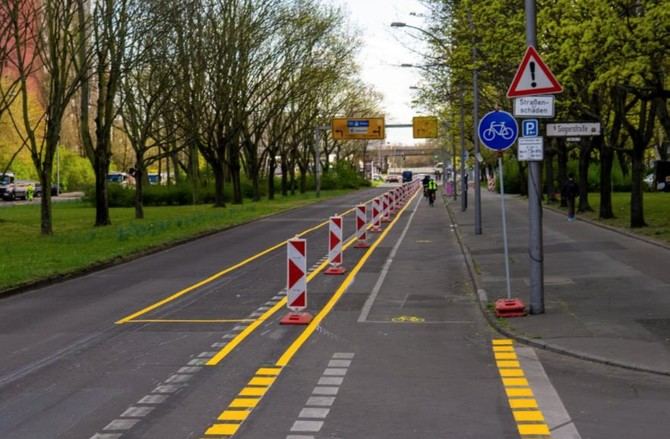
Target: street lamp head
[398, 24]
[406, 65]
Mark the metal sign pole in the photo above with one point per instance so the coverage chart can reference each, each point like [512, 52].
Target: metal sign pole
[504, 225]
[535, 246]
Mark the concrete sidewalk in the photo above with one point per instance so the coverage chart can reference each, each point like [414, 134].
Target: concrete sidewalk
[607, 295]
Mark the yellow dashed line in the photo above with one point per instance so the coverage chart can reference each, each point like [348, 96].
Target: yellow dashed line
[527, 415]
[234, 415]
[261, 381]
[253, 391]
[269, 371]
[222, 429]
[247, 403]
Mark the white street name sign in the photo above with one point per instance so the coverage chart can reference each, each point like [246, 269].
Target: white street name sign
[577, 129]
[534, 106]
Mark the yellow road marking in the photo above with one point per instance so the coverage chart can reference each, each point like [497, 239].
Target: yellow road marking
[271, 371]
[516, 391]
[234, 415]
[218, 275]
[261, 381]
[253, 391]
[190, 321]
[523, 403]
[316, 321]
[503, 364]
[533, 429]
[246, 403]
[511, 373]
[529, 419]
[502, 342]
[239, 338]
[521, 382]
[222, 429]
[505, 356]
[527, 415]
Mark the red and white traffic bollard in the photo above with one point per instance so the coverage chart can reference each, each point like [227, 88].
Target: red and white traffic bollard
[335, 246]
[376, 215]
[393, 204]
[296, 283]
[361, 227]
[386, 214]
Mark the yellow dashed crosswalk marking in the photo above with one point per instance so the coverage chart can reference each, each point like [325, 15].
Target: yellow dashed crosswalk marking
[510, 382]
[268, 371]
[244, 403]
[510, 373]
[527, 414]
[507, 364]
[234, 415]
[261, 381]
[514, 391]
[533, 429]
[222, 429]
[253, 391]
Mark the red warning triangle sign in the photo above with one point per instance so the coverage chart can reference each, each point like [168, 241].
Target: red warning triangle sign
[533, 77]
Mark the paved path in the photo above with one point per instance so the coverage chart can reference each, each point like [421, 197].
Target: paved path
[607, 295]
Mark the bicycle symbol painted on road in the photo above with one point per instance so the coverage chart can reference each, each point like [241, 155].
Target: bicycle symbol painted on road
[498, 129]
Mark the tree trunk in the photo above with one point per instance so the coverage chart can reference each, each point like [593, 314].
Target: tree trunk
[139, 185]
[291, 183]
[235, 175]
[523, 178]
[549, 171]
[284, 177]
[562, 153]
[584, 160]
[101, 169]
[606, 161]
[46, 221]
[636, 194]
[219, 181]
[303, 179]
[272, 165]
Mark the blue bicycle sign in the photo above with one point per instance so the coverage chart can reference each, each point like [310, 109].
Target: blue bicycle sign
[498, 130]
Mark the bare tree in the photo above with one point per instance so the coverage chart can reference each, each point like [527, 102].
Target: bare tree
[45, 42]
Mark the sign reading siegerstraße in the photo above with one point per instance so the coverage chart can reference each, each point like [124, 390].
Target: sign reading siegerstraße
[574, 129]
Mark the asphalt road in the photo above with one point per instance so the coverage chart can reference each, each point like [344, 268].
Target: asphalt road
[400, 349]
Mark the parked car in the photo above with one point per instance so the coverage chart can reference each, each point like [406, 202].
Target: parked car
[393, 179]
[121, 178]
[54, 189]
[7, 186]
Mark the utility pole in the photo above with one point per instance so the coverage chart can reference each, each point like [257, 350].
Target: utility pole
[464, 183]
[535, 246]
[475, 135]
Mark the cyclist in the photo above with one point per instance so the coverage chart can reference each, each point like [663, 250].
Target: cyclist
[424, 182]
[432, 190]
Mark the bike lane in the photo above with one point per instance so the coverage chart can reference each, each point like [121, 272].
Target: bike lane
[404, 353]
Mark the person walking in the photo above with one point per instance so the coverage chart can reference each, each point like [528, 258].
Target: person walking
[570, 190]
[30, 190]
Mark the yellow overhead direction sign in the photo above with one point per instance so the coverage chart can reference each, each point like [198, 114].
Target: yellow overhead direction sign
[369, 128]
[424, 127]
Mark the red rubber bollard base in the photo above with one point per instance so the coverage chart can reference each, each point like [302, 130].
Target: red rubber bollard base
[335, 270]
[296, 318]
[510, 308]
[375, 229]
[362, 244]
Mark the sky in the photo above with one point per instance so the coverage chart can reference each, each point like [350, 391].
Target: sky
[383, 50]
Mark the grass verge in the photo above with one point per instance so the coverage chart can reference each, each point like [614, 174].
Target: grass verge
[76, 245]
[656, 214]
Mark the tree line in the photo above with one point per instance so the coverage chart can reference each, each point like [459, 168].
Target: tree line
[240, 84]
[611, 57]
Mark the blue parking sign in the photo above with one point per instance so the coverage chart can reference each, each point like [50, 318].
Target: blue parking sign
[498, 130]
[530, 128]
